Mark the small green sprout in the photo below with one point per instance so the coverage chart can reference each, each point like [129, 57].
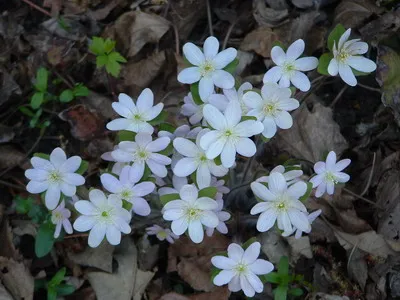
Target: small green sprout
[55, 288]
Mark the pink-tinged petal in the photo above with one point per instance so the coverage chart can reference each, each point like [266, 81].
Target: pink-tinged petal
[97, 234]
[278, 55]
[193, 54]
[266, 220]
[189, 75]
[346, 73]
[306, 63]
[342, 164]
[301, 81]
[295, 50]
[223, 79]
[224, 58]
[210, 47]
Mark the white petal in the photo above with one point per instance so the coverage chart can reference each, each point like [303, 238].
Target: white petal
[209, 219]
[216, 148]
[295, 50]
[157, 169]
[284, 81]
[223, 277]
[235, 252]
[345, 36]
[299, 220]
[278, 55]
[58, 157]
[283, 119]
[127, 101]
[347, 75]
[342, 164]
[173, 214]
[217, 170]
[358, 48]
[284, 222]
[330, 187]
[141, 207]
[297, 190]
[224, 58]
[119, 124]
[97, 234]
[179, 226]
[306, 63]
[85, 207]
[223, 262]
[320, 189]
[143, 188]
[255, 282]
[252, 99]
[68, 189]
[210, 47]
[113, 235]
[333, 67]
[193, 54]
[36, 187]
[234, 284]
[251, 253]
[153, 112]
[246, 147]
[361, 64]
[223, 79]
[246, 286]
[189, 75]
[277, 183]
[300, 81]
[36, 174]
[273, 74]
[185, 147]
[158, 144]
[319, 167]
[136, 171]
[219, 101]
[269, 127]
[266, 220]
[52, 196]
[122, 110]
[228, 154]
[42, 164]
[188, 192]
[74, 179]
[196, 231]
[206, 88]
[160, 159]
[110, 183]
[331, 161]
[84, 223]
[145, 100]
[208, 139]
[71, 165]
[288, 104]
[233, 113]
[185, 166]
[97, 197]
[260, 207]
[262, 192]
[203, 176]
[261, 266]
[342, 177]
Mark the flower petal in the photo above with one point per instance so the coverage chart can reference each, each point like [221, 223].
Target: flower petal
[185, 147]
[127, 101]
[331, 161]
[185, 166]
[342, 164]
[189, 75]
[223, 79]
[361, 64]
[140, 206]
[224, 58]
[196, 231]
[278, 55]
[347, 75]
[110, 183]
[233, 113]
[223, 277]
[297, 190]
[306, 63]
[262, 192]
[189, 193]
[209, 219]
[97, 197]
[36, 175]
[246, 147]
[295, 50]
[206, 88]
[342, 177]
[158, 144]
[252, 99]
[273, 74]
[42, 164]
[333, 67]
[74, 179]
[97, 234]
[52, 196]
[68, 189]
[301, 81]
[255, 282]
[247, 288]
[153, 112]
[277, 183]
[145, 100]
[269, 127]
[58, 157]
[36, 187]
[113, 235]
[210, 47]
[261, 267]
[122, 110]
[203, 176]
[228, 154]
[193, 54]
[299, 220]
[251, 253]
[85, 207]
[157, 169]
[119, 124]
[214, 117]
[84, 223]
[223, 262]
[235, 252]
[319, 167]
[283, 119]
[249, 128]
[266, 220]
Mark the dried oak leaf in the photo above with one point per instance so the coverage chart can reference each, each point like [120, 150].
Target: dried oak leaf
[135, 29]
[261, 40]
[7, 248]
[8, 86]
[350, 222]
[4, 295]
[353, 13]
[16, 278]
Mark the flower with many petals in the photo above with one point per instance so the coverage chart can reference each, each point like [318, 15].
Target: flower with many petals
[281, 204]
[230, 135]
[60, 217]
[329, 173]
[240, 269]
[54, 176]
[291, 176]
[104, 217]
[177, 184]
[271, 107]
[237, 95]
[223, 216]
[143, 151]
[208, 67]
[162, 233]
[347, 56]
[311, 218]
[190, 213]
[129, 189]
[135, 117]
[221, 188]
[289, 66]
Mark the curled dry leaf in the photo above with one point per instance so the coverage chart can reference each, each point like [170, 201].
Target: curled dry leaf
[299, 247]
[7, 248]
[273, 246]
[381, 28]
[353, 13]
[16, 278]
[261, 40]
[266, 16]
[350, 222]
[4, 295]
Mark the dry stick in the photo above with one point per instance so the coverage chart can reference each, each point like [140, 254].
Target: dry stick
[370, 176]
[351, 254]
[339, 96]
[11, 185]
[63, 79]
[38, 8]
[250, 161]
[210, 27]
[228, 34]
[176, 32]
[362, 198]
[370, 88]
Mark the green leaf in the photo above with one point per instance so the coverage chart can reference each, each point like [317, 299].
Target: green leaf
[358, 73]
[44, 239]
[169, 197]
[42, 76]
[83, 167]
[167, 151]
[214, 272]
[279, 44]
[283, 266]
[249, 242]
[146, 174]
[26, 111]
[293, 90]
[308, 192]
[272, 277]
[231, 67]
[23, 205]
[113, 67]
[166, 127]
[64, 290]
[194, 89]
[37, 100]
[97, 45]
[159, 119]
[51, 293]
[80, 90]
[35, 118]
[66, 96]
[297, 292]
[264, 139]
[209, 192]
[335, 35]
[245, 118]
[323, 63]
[38, 213]
[42, 155]
[58, 277]
[101, 61]
[217, 160]
[125, 135]
[127, 205]
[109, 45]
[280, 293]
[116, 56]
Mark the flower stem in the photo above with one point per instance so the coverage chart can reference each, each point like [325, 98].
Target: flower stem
[250, 161]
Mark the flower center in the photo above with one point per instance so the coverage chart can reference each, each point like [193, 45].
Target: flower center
[57, 215]
[162, 234]
[281, 206]
[241, 268]
[126, 194]
[104, 214]
[137, 117]
[193, 213]
[289, 68]
[55, 177]
[269, 109]
[203, 158]
[329, 176]
[228, 133]
[207, 68]
[141, 155]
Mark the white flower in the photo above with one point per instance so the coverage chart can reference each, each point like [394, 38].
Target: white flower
[240, 269]
[162, 233]
[347, 56]
[233, 95]
[280, 204]
[223, 216]
[182, 131]
[195, 160]
[104, 217]
[271, 107]
[135, 117]
[329, 173]
[130, 190]
[229, 135]
[310, 217]
[207, 67]
[60, 217]
[54, 176]
[144, 152]
[291, 176]
[177, 184]
[191, 213]
[221, 188]
[118, 166]
[289, 66]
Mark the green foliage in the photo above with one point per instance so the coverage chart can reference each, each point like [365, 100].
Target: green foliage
[27, 206]
[79, 90]
[166, 127]
[323, 64]
[44, 239]
[249, 242]
[231, 67]
[308, 192]
[194, 89]
[246, 118]
[209, 192]
[55, 288]
[168, 197]
[279, 44]
[335, 35]
[41, 79]
[83, 167]
[159, 119]
[35, 117]
[106, 56]
[125, 135]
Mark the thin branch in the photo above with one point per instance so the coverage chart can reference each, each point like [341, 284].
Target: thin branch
[63, 79]
[338, 96]
[176, 32]
[362, 198]
[370, 176]
[250, 161]
[370, 88]
[210, 26]
[37, 7]
[351, 254]
[228, 34]
[11, 185]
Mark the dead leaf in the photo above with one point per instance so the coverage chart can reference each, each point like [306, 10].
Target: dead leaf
[16, 278]
[357, 267]
[135, 29]
[260, 40]
[303, 3]
[100, 257]
[323, 296]
[6, 134]
[219, 293]
[353, 13]
[273, 246]
[55, 6]
[174, 296]
[4, 295]
[102, 13]
[266, 16]
[381, 28]
[100, 104]
[369, 241]
[10, 156]
[350, 222]
[85, 123]
[7, 248]
[8, 86]
[196, 271]
[142, 279]
[301, 26]
[299, 247]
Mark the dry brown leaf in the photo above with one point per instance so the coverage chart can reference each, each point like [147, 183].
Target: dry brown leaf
[260, 40]
[100, 257]
[8, 86]
[357, 267]
[196, 272]
[273, 246]
[323, 296]
[381, 28]
[301, 26]
[10, 156]
[353, 13]
[102, 13]
[16, 278]
[219, 293]
[101, 104]
[7, 248]
[174, 296]
[55, 6]
[350, 222]
[142, 279]
[299, 247]
[4, 295]
[266, 16]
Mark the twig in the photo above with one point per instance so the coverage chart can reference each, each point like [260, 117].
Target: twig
[228, 34]
[370, 176]
[37, 7]
[362, 198]
[238, 187]
[351, 254]
[210, 27]
[369, 88]
[63, 79]
[111, 87]
[338, 96]
[176, 32]
[250, 161]
[11, 185]
[76, 235]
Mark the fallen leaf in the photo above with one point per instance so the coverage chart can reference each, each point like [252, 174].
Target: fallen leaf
[266, 16]
[353, 13]
[381, 28]
[174, 296]
[16, 278]
[135, 29]
[350, 222]
[303, 3]
[142, 279]
[8, 86]
[55, 6]
[102, 13]
[357, 267]
[85, 123]
[219, 293]
[273, 246]
[6, 134]
[304, 24]
[10, 156]
[323, 296]
[7, 248]
[299, 247]
[4, 295]
[100, 257]
[196, 271]
[260, 40]
[100, 104]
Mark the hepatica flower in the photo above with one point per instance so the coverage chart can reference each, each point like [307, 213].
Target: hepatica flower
[281, 204]
[347, 56]
[229, 135]
[291, 176]
[143, 151]
[223, 216]
[237, 95]
[271, 107]
[195, 160]
[190, 213]
[208, 67]
[129, 189]
[289, 66]
[104, 217]
[221, 188]
[162, 233]
[310, 217]
[135, 117]
[329, 173]
[240, 269]
[54, 176]
[60, 217]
